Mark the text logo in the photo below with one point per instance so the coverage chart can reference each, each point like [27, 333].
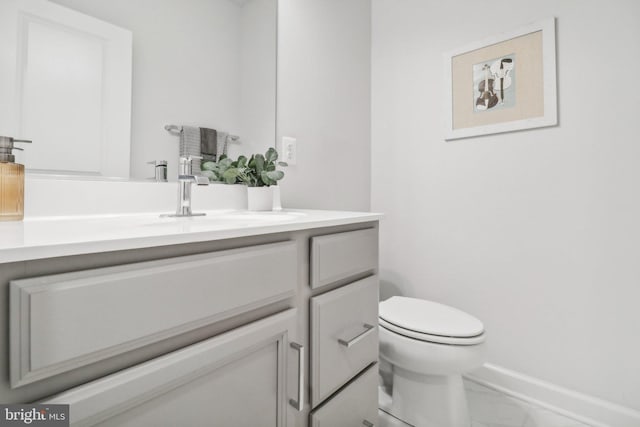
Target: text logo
[34, 415]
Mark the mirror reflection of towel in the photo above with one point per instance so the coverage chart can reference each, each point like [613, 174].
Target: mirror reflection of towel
[190, 145]
[208, 144]
[203, 142]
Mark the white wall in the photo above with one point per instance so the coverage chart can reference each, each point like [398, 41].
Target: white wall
[536, 232]
[324, 101]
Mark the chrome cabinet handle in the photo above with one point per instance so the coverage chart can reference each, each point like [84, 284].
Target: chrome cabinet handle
[367, 329]
[367, 423]
[299, 404]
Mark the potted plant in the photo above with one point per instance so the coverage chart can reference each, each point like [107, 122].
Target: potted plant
[258, 173]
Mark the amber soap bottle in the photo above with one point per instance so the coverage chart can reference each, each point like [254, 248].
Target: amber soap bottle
[11, 181]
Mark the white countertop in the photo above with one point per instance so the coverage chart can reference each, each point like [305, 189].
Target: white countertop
[47, 237]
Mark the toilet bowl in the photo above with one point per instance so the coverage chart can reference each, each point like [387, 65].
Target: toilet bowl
[425, 347]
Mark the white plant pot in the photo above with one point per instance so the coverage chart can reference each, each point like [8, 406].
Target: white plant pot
[259, 198]
[277, 204]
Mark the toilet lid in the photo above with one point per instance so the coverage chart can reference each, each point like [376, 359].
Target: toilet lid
[428, 317]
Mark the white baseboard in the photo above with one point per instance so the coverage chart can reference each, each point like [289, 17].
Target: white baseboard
[587, 409]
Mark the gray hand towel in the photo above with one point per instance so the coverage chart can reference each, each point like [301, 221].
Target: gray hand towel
[208, 144]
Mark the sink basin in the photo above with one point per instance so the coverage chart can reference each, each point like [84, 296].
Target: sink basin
[222, 220]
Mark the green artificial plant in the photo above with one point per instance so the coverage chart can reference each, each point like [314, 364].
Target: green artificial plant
[257, 171]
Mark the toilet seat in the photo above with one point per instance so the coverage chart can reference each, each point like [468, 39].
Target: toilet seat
[431, 338]
[429, 321]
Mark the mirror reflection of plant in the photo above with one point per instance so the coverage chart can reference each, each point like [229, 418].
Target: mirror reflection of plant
[257, 171]
[215, 170]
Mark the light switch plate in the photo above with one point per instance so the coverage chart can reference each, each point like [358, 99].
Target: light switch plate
[289, 150]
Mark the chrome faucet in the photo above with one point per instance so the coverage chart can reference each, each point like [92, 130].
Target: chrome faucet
[185, 179]
[160, 167]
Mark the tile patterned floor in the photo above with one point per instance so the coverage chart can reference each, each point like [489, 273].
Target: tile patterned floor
[490, 408]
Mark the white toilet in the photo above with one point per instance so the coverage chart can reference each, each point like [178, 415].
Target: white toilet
[425, 347]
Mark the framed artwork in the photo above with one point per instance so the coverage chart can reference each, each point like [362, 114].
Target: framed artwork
[502, 84]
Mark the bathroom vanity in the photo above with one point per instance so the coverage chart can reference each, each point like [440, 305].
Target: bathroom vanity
[233, 319]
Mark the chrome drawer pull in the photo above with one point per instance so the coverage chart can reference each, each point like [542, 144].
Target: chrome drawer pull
[367, 423]
[367, 329]
[299, 404]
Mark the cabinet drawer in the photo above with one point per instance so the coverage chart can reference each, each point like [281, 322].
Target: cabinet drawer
[344, 335]
[233, 379]
[356, 405]
[64, 321]
[342, 255]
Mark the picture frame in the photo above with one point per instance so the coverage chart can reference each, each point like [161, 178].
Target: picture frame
[502, 83]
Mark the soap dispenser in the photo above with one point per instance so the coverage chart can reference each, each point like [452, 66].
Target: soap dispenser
[11, 181]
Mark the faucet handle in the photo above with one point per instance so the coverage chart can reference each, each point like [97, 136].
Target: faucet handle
[160, 167]
[157, 163]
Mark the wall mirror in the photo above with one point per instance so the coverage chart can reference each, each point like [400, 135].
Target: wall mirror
[94, 83]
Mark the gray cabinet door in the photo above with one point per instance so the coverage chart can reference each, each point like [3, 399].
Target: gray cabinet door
[63, 321]
[344, 336]
[354, 406]
[342, 255]
[234, 379]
